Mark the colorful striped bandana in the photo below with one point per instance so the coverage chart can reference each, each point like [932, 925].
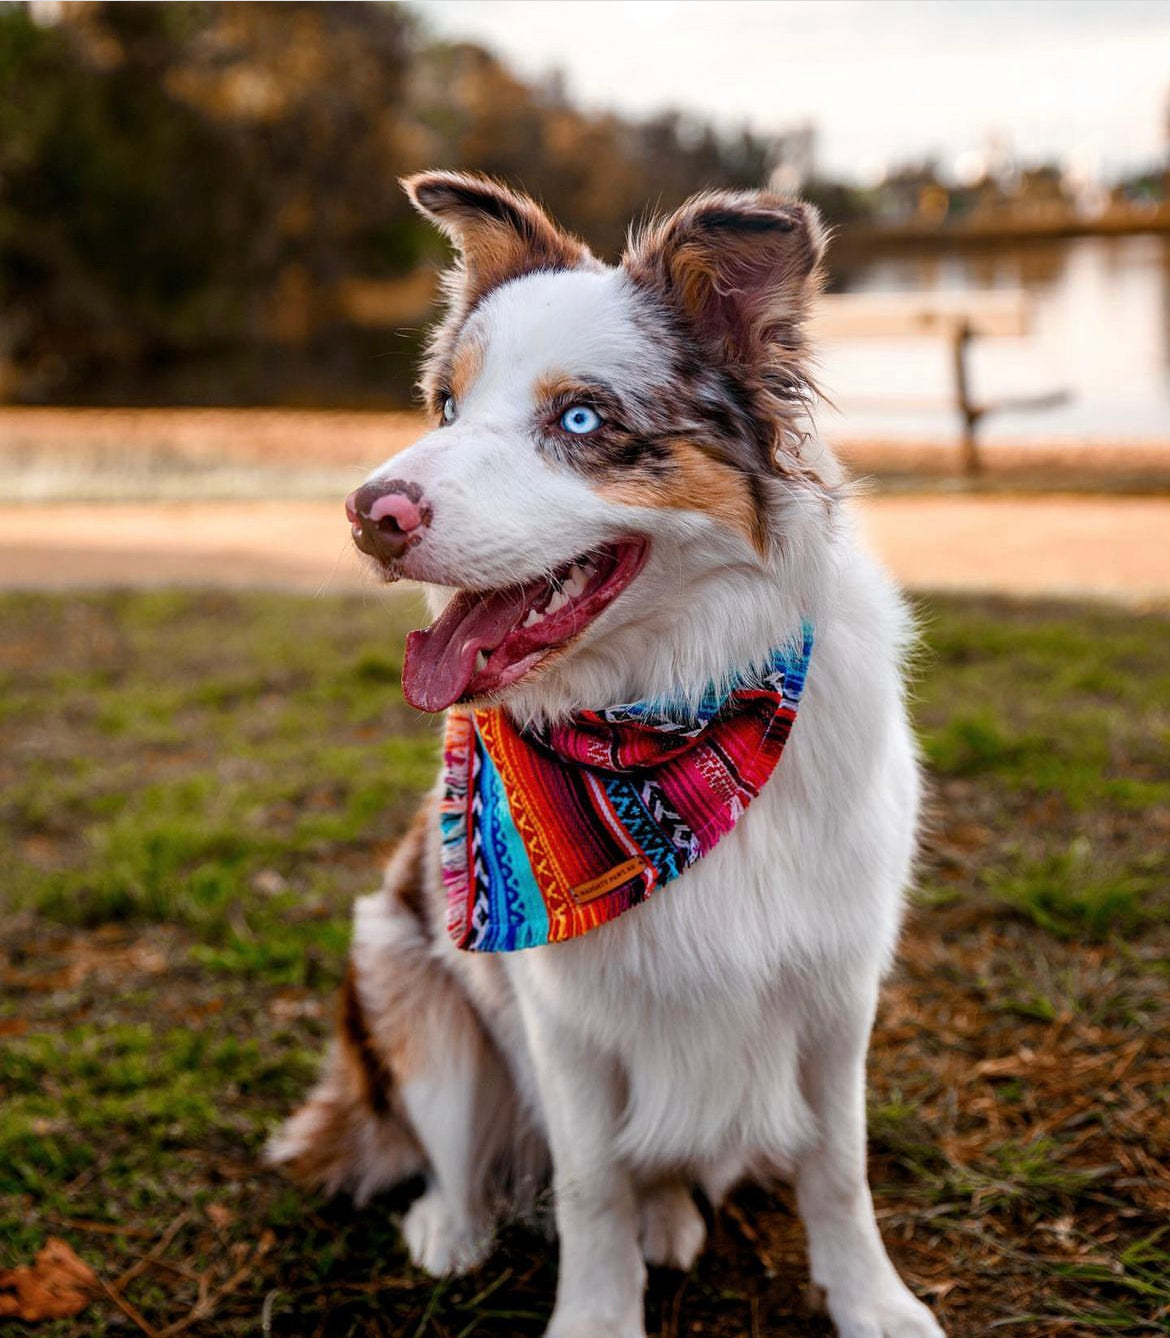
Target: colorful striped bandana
[548, 833]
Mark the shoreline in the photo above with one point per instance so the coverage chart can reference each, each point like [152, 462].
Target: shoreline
[51, 453]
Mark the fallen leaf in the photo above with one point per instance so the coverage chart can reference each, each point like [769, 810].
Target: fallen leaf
[291, 1004]
[940, 1290]
[56, 1285]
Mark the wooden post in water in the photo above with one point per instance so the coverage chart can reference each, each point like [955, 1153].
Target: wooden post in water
[969, 412]
[957, 317]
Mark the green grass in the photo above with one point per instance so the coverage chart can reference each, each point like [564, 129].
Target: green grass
[1079, 896]
[193, 788]
[194, 742]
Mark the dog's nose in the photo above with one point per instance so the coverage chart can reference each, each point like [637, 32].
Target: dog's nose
[387, 517]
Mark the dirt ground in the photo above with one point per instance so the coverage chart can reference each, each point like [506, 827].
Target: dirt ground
[1102, 547]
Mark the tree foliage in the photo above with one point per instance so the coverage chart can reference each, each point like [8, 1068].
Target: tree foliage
[199, 201]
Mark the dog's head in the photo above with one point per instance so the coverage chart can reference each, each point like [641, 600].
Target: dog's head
[616, 457]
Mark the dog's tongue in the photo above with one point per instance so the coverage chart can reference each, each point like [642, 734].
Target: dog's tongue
[440, 660]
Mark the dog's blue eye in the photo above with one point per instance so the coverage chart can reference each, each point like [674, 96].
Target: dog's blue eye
[580, 419]
[450, 409]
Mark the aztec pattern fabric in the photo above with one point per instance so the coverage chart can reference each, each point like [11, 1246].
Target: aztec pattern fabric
[549, 833]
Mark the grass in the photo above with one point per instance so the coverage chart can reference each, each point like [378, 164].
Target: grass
[194, 786]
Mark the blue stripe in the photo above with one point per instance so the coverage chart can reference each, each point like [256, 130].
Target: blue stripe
[517, 916]
[640, 825]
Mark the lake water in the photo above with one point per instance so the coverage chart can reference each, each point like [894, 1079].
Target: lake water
[1100, 329]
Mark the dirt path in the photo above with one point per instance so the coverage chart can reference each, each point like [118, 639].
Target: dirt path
[1116, 548]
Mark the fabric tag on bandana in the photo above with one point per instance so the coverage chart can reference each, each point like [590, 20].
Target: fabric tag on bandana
[548, 833]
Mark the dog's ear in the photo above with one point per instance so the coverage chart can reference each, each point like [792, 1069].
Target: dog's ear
[499, 234]
[740, 266]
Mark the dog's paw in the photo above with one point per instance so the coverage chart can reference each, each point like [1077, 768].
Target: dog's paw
[437, 1242]
[671, 1228]
[896, 1314]
[567, 1326]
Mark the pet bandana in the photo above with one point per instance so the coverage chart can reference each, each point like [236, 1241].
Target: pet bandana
[549, 832]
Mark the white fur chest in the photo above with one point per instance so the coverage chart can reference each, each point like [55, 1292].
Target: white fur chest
[703, 997]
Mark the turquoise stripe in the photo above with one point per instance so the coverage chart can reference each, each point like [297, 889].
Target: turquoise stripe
[517, 915]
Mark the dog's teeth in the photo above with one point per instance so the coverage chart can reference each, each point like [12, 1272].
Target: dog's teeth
[480, 661]
[577, 582]
[533, 617]
[558, 602]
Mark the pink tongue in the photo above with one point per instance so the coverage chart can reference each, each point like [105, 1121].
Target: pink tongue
[440, 660]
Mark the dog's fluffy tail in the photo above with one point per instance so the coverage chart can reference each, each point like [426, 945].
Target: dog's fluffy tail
[351, 1134]
[409, 1051]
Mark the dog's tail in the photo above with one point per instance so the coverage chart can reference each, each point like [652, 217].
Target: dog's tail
[410, 1056]
[351, 1134]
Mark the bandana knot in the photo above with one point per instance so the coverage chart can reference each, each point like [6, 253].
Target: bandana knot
[549, 832]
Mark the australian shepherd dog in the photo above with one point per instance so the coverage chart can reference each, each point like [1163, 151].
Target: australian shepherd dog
[621, 500]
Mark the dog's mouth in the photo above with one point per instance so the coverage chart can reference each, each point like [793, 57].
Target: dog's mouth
[486, 640]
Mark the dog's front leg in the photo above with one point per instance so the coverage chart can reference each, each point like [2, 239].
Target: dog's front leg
[864, 1295]
[601, 1276]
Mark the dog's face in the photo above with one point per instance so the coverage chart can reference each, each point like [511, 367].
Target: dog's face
[609, 442]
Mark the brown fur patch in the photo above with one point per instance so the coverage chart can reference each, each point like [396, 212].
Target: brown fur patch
[741, 267]
[500, 234]
[691, 480]
[413, 1008]
[614, 448]
[373, 1038]
[418, 1012]
[555, 387]
[648, 464]
[335, 1141]
[737, 271]
[357, 1041]
[466, 365]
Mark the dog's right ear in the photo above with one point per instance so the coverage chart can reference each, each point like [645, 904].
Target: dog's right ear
[499, 234]
[741, 268]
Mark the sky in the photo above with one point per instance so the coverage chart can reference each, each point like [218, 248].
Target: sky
[884, 81]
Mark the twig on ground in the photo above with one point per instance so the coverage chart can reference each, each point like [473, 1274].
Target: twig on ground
[100, 1228]
[160, 1248]
[131, 1312]
[209, 1300]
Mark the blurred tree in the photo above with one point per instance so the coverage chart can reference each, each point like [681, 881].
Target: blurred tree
[177, 178]
[199, 201]
[116, 239]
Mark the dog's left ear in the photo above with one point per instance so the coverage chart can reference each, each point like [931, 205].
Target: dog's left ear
[741, 267]
[499, 233]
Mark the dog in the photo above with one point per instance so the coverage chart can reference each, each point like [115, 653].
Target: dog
[622, 502]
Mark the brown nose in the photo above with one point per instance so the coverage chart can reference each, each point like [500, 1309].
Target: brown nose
[387, 517]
